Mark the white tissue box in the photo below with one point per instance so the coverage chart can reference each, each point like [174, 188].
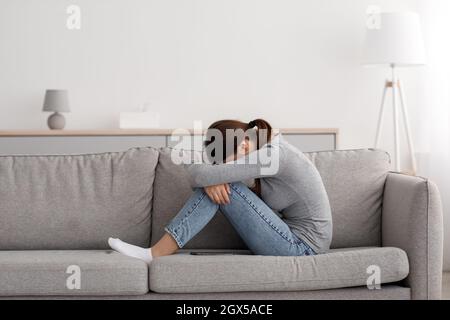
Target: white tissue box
[139, 120]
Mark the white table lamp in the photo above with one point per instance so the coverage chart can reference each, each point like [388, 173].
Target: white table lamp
[56, 101]
[396, 42]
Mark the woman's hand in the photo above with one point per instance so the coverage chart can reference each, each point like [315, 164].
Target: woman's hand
[219, 193]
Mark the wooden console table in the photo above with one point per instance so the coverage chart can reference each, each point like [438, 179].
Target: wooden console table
[91, 141]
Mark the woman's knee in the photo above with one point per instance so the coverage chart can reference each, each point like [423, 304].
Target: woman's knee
[199, 194]
[239, 193]
[238, 186]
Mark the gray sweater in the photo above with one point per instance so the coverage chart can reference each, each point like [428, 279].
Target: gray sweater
[290, 185]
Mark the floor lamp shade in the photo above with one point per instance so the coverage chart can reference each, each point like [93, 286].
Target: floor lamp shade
[396, 40]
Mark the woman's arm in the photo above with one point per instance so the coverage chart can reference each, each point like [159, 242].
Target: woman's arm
[264, 162]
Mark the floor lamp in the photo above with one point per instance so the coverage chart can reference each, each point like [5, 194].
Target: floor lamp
[396, 41]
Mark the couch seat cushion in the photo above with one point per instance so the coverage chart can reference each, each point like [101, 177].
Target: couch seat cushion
[184, 273]
[55, 273]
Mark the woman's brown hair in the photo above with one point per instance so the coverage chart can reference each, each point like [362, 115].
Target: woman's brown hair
[263, 135]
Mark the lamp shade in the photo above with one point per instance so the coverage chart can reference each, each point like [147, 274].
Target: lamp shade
[396, 41]
[56, 101]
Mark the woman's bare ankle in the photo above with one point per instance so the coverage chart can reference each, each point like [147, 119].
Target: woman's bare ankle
[155, 252]
[165, 246]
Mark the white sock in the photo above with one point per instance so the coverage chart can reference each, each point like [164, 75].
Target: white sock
[131, 250]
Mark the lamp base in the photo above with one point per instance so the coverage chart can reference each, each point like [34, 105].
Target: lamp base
[56, 121]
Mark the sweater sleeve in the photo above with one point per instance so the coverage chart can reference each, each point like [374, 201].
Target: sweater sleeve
[264, 162]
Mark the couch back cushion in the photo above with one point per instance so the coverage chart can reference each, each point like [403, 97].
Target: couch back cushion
[76, 201]
[354, 180]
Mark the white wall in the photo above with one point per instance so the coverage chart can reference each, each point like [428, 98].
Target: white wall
[294, 62]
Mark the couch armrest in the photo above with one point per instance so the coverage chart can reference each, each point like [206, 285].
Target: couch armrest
[412, 221]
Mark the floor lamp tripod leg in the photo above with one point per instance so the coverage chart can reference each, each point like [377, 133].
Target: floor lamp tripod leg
[396, 137]
[380, 116]
[407, 127]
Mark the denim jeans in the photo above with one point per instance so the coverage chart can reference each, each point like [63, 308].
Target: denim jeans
[262, 230]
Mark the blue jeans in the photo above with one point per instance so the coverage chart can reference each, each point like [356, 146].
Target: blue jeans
[260, 228]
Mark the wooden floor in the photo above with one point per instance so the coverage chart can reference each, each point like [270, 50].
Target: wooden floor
[446, 286]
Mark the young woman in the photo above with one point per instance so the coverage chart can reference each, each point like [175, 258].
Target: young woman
[278, 207]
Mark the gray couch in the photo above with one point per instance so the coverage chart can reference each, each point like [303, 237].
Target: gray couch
[56, 213]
